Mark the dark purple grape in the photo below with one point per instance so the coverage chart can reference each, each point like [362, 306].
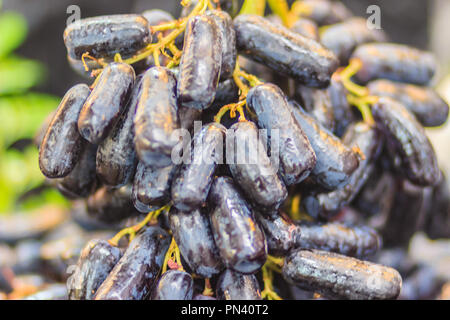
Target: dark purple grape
[289, 53]
[228, 35]
[307, 28]
[62, 145]
[335, 161]
[437, 224]
[342, 111]
[96, 261]
[135, 274]
[344, 37]
[116, 157]
[353, 241]
[106, 102]
[104, 36]
[339, 277]
[200, 63]
[408, 139]
[193, 234]
[156, 118]
[174, 285]
[233, 285]
[325, 12]
[296, 156]
[394, 62]
[191, 186]
[318, 104]
[281, 233]
[426, 104]
[251, 167]
[240, 240]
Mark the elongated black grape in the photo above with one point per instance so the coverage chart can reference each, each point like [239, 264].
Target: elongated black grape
[335, 161]
[251, 167]
[135, 274]
[191, 186]
[111, 205]
[369, 141]
[394, 62]
[193, 234]
[437, 224]
[104, 36]
[344, 37]
[296, 156]
[325, 12]
[281, 233]
[289, 53]
[82, 181]
[318, 104]
[307, 28]
[152, 185]
[106, 102]
[156, 118]
[62, 144]
[342, 110]
[233, 285]
[228, 35]
[353, 241]
[200, 63]
[339, 277]
[174, 285]
[426, 104]
[240, 240]
[116, 157]
[406, 216]
[96, 260]
[408, 138]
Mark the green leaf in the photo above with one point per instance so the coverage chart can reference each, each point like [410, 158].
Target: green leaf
[19, 75]
[253, 7]
[13, 30]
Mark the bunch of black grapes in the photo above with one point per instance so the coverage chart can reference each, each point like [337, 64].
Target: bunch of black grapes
[344, 182]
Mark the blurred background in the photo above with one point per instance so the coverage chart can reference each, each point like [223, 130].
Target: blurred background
[34, 75]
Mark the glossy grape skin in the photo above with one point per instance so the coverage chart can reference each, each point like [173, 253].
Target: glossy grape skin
[342, 111]
[191, 186]
[411, 204]
[255, 175]
[281, 233]
[369, 141]
[296, 156]
[241, 242]
[116, 156]
[307, 28]
[156, 118]
[104, 36]
[111, 205]
[289, 53]
[174, 285]
[193, 234]
[228, 35]
[344, 37]
[106, 102]
[394, 62]
[349, 240]
[325, 12]
[200, 63]
[336, 276]
[408, 139]
[151, 186]
[82, 180]
[96, 260]
[426, 104]
[233, 285]
[335, 161]
[318, 104]
[62, 145]
[135, 274]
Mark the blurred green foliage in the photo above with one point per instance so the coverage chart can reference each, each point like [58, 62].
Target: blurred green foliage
[22, 113]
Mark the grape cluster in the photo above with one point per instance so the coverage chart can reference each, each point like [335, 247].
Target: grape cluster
[342, 110]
